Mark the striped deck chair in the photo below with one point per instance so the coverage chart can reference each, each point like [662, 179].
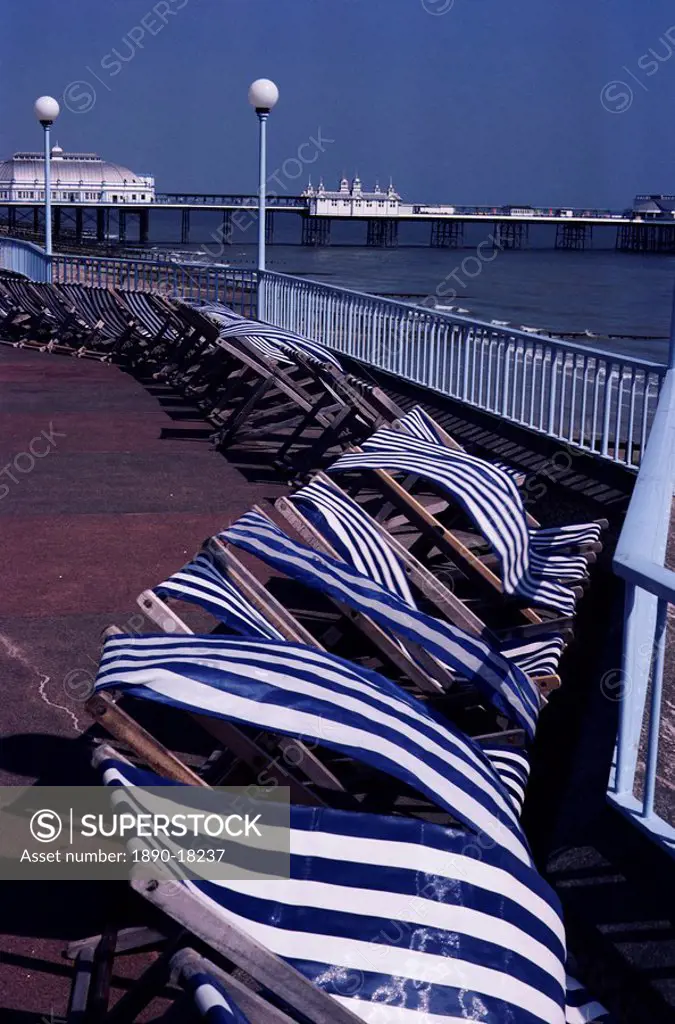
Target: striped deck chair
[14, 322]
[247, 608]
[420, 424]
[40, 325]
[543, 541]
[348, 407]
[513, 768]
[298, 691]
[108, 331]
[505, 686]
[396, 921]
[71, 328]
[222, 586]
[364, 544]
[244, 381]
[489, 498]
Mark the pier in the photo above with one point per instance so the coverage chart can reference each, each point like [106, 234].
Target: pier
[314, 216]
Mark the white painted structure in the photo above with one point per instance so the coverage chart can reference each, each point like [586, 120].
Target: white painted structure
[352, 201]
[75, 178]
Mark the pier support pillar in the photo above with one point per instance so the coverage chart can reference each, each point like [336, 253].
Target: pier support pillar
[511, 235]
[11, 218]
[446, 234]
[36, 219]
[573, 236]
[382, 233]
[56, 222]
[122, 225]
[143, 225]
[100, 225]
[269, 227]
[226, 228]
[646, 238]
[185, 227]
[316, 231]
[78, 224]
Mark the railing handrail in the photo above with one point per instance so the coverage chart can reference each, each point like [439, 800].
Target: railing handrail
[644, 534]
[464, 321]
[23, 243]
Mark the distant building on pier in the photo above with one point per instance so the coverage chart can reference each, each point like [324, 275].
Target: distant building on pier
[75, 177]
[649, 206]
[350, 200]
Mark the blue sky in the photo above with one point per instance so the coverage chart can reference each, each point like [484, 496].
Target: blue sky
[463, 101]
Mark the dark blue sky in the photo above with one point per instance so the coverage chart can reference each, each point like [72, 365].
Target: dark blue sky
[493, 101]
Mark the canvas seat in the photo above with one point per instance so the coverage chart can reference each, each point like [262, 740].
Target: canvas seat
[383, 915]
[487, 496]
[323, 510]
[502, 683]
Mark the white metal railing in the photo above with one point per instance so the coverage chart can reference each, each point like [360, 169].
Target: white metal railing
[24, 258]
[649, 601]
[595, 400]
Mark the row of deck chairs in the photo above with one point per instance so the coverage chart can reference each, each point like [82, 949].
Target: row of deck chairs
[72, 319]
[412, 894]
[397, 704]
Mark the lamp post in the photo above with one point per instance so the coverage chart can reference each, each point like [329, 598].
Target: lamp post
[262, 95]
[47, 110]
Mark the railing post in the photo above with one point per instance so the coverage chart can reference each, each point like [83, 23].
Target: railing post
[609, 376]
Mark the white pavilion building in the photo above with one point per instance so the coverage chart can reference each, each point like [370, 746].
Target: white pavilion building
[75, 178]
[352, 201]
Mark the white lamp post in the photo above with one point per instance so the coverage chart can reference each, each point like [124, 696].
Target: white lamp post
[47, 110]
[262, 95]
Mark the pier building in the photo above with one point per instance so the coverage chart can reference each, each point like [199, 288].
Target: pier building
[75, 178]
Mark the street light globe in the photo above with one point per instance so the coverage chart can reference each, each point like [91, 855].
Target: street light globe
[263, 94]
[46, 109]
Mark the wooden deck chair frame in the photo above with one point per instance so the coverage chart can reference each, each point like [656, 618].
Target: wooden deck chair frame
[225, 558]
[450, 606]
[104, 341]
[32, 313]
[589, 551]
[244, 747]
[359, 416]
[397, 496]
[187, 919]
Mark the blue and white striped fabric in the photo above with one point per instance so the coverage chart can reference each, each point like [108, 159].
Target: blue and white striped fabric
[538, 656]
[503, 683]
[582, 1008]
[356, 538]
[401, 921]
[287, 341]
[420, 424]
[488, 496]
[214, 1004]
[354, 535]
[303, 692]
[226, 318]
[201, 582]
[550, 538]
[513, 768]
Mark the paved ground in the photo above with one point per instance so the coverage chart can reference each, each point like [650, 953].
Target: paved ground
[122, 489]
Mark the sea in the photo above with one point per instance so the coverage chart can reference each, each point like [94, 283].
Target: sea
[600, 297]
